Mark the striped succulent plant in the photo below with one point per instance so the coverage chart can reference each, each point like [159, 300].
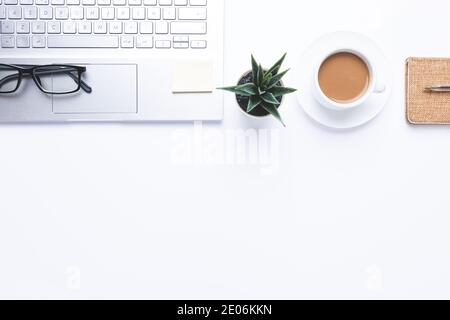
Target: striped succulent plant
[264, 89]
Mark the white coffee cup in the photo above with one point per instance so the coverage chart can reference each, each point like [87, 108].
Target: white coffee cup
[375, 86]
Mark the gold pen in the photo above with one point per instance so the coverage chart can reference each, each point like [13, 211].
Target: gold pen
[445, 88]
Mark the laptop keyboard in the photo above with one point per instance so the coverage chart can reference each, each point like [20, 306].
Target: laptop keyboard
[128, 24]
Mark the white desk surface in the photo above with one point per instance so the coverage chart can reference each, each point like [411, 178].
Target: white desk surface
[114, 211]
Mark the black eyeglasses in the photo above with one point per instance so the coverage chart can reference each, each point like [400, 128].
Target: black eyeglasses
[50, 79]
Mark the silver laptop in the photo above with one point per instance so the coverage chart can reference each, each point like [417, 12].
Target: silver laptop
[145, 60]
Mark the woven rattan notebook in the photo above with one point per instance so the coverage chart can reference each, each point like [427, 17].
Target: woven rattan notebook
[424, 107]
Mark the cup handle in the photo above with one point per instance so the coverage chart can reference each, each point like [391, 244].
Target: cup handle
[380, 87]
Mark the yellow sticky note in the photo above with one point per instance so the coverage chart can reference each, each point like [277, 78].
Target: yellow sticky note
[193, 77]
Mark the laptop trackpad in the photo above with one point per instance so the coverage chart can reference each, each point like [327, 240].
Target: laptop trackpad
[114, 90]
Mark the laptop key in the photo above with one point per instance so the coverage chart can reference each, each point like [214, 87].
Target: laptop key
[144, 42]
[192, 13]
[7, 41]
[7, 27]
[23, 41]
[163, 44]
[38, 41]
[180, 45]
[69, 41]
[188, 27]
[15, 12]
[199, 44]
[127, 42]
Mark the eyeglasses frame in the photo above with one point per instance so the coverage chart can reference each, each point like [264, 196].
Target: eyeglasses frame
[30, 70]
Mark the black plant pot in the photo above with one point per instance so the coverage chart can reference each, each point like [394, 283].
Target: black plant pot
[242, 101]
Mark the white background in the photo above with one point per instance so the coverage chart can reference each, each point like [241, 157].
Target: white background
[108, 211]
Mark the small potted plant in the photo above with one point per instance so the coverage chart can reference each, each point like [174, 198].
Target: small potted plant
[259, 92]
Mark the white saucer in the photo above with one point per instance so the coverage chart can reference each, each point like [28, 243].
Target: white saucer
[345, 119]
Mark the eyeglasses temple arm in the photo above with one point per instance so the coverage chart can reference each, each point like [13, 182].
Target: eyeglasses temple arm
[83, 84]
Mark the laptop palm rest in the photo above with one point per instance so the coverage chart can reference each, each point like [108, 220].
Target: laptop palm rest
[114, 90]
